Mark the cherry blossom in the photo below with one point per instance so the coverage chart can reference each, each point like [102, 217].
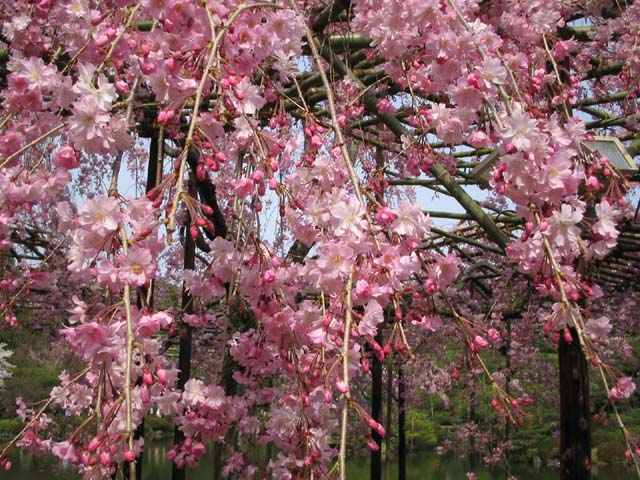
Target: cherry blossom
[262, 168]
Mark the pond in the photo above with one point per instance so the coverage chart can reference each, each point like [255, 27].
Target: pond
[425, 466]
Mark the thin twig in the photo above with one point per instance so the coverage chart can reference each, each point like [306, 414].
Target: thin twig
[345, 377]
[311, 40]
[217, 38]
[31, 144]
[38, 414]
[129, 357]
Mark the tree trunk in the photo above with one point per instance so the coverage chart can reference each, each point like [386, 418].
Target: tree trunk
[575, 424]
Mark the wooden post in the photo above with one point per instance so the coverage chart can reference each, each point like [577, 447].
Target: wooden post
[184, 357]
[153, 166]
[575, 420]
[402, 434]
[375, 468]
[389, 423]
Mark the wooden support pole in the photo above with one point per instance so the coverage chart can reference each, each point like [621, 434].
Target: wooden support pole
[184, 356]
[575, 421]
[402, 433]
[375, 467]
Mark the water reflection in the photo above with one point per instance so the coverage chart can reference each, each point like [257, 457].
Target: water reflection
[427, 466]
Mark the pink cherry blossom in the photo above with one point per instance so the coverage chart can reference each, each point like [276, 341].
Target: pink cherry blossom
[519, 129]
[244, 187]
[130, 154]
[598, 328]
[136, 267]
[494, 335]
[624, 388]
[100, 215]
[563, 227]
[410, 221]
[372, 317]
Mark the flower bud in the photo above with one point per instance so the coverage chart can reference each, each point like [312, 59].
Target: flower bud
[480, 342]
[342, 386]
[105, 458]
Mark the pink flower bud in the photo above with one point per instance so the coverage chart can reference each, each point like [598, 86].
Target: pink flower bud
[147, 378]
[385, 215]
[592, 183]
[162, 376]
[373, 446]
[269, 276]
[567, 336]
[258, 176]
[430, 286]
[479, 139]
[171, 454]
[363, 289]
[377, 427]
[328, 397]
[129, 456]
[480, 342]
[93, 444]
[316, 141]
[342, 386]
[105, 459]
[201, 173]
[102, 40]
[198, 449]
[145, 396]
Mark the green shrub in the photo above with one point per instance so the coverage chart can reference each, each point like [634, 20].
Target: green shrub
[421, 430]
[10, 426]
[158, 424]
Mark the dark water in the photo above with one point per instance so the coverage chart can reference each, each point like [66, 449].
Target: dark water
[428, 466]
